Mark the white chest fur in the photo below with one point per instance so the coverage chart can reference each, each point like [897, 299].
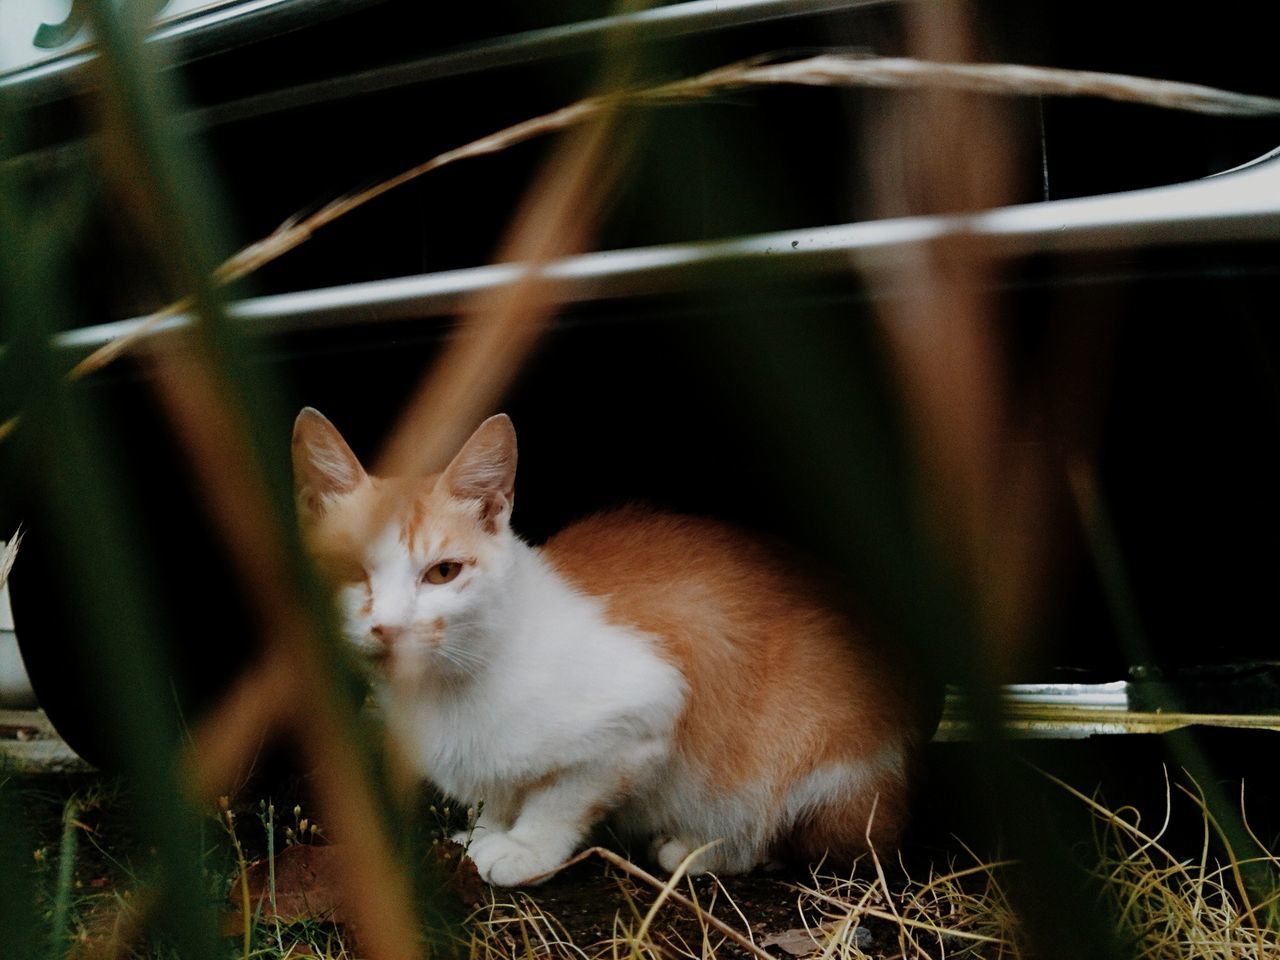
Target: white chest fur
[561, 689]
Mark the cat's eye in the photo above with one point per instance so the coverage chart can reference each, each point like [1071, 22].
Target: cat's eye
[441, 572]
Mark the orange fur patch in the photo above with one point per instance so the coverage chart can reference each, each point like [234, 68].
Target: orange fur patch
[780, 683]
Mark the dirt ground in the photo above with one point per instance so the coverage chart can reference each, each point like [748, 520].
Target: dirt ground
[589, 898]
[587, 904]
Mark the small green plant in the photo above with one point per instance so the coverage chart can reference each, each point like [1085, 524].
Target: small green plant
[267, 816]
[304, 829]
[66, 877]
[448, 822]
[228, 818]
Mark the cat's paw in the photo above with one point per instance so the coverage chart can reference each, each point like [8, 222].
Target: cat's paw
[671, 853]
[506, 862]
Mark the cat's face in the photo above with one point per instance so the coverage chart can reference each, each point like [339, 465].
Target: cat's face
[418, 565]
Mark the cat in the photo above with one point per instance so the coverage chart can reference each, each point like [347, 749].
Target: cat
[669, 673]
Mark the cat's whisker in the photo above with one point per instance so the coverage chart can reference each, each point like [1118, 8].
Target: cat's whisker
[469, 660]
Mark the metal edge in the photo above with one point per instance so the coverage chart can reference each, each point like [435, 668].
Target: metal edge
[50, 78]
[186, 38]
[29, 745]
[659, 23]
[1241, 207]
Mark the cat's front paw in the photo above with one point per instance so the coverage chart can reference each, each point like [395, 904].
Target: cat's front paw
[506, 862]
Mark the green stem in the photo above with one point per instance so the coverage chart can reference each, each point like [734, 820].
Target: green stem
[271, 871]
[66, 875]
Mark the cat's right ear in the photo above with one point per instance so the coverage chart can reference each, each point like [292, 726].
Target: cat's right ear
[485, 470]
[323, 464]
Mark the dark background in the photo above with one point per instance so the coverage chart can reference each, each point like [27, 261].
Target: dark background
[1164, 360]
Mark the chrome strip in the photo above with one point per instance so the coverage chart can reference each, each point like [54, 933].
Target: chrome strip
[1114, 695]
[199, 34]
[1077, 711]
[1242, 206]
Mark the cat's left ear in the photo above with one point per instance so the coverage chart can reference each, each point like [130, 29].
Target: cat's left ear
[323, 464]
[485, 470]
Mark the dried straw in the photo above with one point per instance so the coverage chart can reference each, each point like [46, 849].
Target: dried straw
[520, 927]
[114, 934]
[941, 336]
[666, 891]
[8, 555]
[1001, 79]
[501, 326]
[1171, 906]
[287, 688]
[214, 432]
[1168, 906]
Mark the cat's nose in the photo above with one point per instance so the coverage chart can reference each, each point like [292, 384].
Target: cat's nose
[384, 634]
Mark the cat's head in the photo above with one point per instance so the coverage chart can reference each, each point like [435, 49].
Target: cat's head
[419, 564]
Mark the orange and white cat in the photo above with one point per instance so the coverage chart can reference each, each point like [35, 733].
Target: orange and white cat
[669, 673]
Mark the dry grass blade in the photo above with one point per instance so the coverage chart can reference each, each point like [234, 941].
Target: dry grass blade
[8, 555]
[500, 930]
[213, 428]
[555, 221]
[942, 337]
[557, 218]
[230, 738]
[669, 888]
[904, 935]
[296, 230]
[216, 440]
[1165, 907]
[500, 326]
[110, 351]
[115, 933]
[824, 70]
[960, 906]
[1114, 818]
[1171, 906]
[1005, 79]
[666, 891]
[215, 432]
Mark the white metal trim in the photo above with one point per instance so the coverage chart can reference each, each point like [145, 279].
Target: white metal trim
[1241, 206]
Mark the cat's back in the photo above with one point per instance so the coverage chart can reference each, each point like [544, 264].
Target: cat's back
[656, 569]
[631, 549]
[718, 599]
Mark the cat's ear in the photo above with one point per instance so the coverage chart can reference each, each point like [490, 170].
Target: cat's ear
[485, 469]
[323, 464]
